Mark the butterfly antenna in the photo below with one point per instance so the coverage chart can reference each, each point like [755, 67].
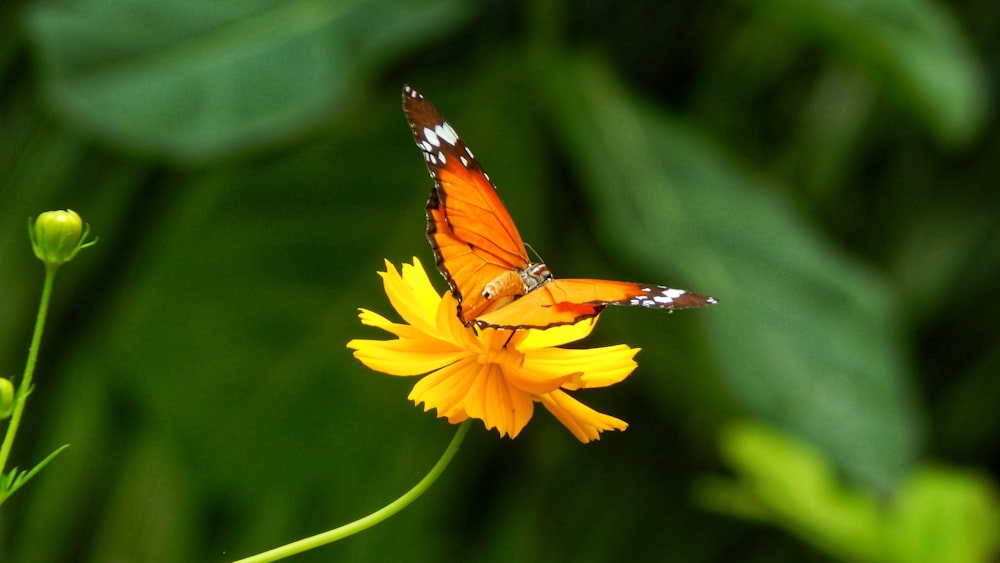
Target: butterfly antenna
[533, 251]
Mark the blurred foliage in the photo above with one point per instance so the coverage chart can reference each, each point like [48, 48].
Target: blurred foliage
[936, 513]
[826, 169]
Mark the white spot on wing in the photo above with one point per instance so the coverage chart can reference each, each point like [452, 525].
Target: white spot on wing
[446, 133]
[659, 297]
[465, 161]
[431, 137]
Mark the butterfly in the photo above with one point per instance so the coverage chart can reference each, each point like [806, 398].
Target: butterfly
[480, 253]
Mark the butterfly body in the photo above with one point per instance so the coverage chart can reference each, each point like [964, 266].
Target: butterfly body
[480, 253]
[517, 283]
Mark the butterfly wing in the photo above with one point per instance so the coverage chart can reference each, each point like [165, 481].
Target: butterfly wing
[567, 301]
[472, 234]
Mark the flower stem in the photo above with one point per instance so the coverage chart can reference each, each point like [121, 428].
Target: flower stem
[29, 368]
[373, 518]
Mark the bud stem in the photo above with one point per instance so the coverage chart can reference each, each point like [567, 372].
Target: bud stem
[24, 387]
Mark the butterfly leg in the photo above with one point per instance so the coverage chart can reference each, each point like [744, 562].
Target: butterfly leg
[508, 339]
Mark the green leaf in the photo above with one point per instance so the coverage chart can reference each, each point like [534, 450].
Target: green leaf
[197, 80]
[946, 515]
[13, 480]
[788, 483]
[938, 514]
[803, 335]
[916, 45]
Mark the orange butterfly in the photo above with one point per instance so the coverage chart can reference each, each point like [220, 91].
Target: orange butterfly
[481, 254]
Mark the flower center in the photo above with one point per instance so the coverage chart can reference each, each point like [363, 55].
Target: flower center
[501, 356]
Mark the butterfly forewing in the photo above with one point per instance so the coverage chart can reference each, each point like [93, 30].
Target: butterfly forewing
[462, 189]
[472, 234]
[466, 270]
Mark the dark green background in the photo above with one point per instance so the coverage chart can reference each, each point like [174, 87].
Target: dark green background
[828, 170]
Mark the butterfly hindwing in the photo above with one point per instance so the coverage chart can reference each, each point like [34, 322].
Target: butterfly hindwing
[567, 301]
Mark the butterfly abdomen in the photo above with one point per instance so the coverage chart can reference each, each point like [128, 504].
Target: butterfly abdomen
[507, 284]
[517, 283]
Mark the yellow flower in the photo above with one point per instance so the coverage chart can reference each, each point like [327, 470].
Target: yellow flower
[493, 375]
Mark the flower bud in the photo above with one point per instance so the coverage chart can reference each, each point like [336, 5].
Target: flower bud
[6, 398]
[56, 236]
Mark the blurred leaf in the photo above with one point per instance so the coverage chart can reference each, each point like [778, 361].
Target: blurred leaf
[825, 142]
[938, 515]
[930, 268]
[147, 476]
[197, 80]
[786, 482]
[967, 420]
[945, 515]
[917, 44]
[803, 335]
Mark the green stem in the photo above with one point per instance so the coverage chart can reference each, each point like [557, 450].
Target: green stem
[29, 368]
[373, 518]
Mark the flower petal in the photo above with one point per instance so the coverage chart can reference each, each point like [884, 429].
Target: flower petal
[557, 335]
[584, 422]
[408, 295]
[445, 389]
[499, 405]
[600, 367]
[416, 277]
[371, 318]
[405, 357]
[449, 327]
[537, 379]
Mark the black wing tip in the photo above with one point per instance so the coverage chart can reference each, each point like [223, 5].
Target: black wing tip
[662, 297]
[701, 300]
[693, 300]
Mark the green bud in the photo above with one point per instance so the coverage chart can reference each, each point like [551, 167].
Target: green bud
[6, 398]
[57, 236]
